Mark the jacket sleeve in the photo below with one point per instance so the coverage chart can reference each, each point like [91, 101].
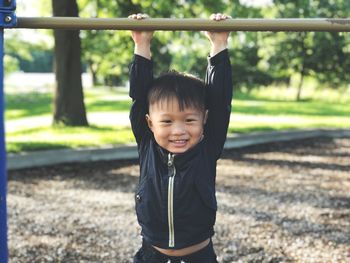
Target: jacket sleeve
[219, 92]
[140, 77]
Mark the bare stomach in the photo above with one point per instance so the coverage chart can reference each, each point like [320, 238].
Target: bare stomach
[183, 251]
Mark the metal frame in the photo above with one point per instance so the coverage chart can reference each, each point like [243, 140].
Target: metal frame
[7, 19]
[187, 24]
[3, 177]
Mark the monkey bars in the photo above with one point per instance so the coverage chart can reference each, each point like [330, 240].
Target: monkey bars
[186, 24]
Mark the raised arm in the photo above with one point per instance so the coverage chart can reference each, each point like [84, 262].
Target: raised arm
[219, 89]
[141, 77]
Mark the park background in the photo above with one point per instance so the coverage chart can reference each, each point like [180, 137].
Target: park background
[282, 80]
[277, 202]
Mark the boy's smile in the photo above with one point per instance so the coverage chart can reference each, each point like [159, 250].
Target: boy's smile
[173, 129]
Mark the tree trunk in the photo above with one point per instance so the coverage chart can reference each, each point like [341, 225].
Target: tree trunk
[300, 86]
[303, 58]
[69, 108]
[93, 73]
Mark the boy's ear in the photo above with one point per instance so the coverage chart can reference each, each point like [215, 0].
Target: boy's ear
[205, 117]
[149, 121]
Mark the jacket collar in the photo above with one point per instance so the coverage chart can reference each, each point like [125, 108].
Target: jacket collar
[180, 159]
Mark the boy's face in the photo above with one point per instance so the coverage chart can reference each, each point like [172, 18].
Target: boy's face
[175, 130]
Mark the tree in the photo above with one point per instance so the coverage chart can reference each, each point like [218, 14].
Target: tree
[322, 55]
[106, 55]
[69, 108]
[292, 49]
[331, 56]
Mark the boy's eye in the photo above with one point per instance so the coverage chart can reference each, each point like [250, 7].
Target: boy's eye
[165, 121]
[190, 120]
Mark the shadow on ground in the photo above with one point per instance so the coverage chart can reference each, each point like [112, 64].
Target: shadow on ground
[284, 202]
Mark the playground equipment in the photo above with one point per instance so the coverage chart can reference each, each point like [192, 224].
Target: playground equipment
[8, 19]
[188, 24]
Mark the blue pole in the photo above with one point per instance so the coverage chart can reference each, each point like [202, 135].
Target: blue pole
[3, 177]
[7, 18]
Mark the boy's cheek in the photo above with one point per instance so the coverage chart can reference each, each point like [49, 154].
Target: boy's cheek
[157, 132]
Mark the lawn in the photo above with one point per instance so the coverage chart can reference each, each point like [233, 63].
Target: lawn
[28, 116]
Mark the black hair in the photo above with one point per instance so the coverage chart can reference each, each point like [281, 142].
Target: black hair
[187, 89]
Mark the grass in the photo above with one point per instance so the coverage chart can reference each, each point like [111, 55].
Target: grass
[267, 109]
[45, 138]
[30, 104]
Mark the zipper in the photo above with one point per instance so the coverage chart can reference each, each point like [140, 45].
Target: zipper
[172, 173]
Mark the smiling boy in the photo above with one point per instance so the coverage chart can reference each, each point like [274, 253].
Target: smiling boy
[177, 111]
[180, 125]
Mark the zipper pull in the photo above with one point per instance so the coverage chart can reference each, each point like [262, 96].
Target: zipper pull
[170, 159]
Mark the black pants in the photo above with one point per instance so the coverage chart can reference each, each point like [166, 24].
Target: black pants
[148, 254]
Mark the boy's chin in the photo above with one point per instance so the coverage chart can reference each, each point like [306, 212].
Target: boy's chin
[177, 150]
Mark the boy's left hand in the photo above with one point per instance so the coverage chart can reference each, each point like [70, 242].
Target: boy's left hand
[218, 40]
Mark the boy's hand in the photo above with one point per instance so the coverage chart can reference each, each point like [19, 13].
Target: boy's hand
[142, 39]
[218, 40]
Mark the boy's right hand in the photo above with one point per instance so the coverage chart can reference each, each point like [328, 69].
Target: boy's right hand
[218, 39]
[142, 39]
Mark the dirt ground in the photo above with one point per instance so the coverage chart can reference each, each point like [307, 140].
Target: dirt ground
[285, 202]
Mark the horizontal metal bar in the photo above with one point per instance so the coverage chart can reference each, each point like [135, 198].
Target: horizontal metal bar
[187, 24]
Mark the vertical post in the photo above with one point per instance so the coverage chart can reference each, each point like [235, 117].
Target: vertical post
[7, 18]
[3, 178]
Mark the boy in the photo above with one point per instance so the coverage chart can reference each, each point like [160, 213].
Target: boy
[180, 126]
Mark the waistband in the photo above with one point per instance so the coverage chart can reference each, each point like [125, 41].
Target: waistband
[198, 256]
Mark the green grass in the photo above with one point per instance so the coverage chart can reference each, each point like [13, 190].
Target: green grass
[268, 109]
[27, 105]
[30, 104]
[45, 138]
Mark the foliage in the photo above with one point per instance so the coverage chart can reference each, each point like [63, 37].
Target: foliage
[258, 59]
[41, 61]
[330, 59]
[11, 63]
[109, 53]
[26, 55]
[323, 55]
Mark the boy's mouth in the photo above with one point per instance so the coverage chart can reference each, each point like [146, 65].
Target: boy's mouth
[179, 143]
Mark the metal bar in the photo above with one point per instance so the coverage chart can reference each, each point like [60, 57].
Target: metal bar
[188, 24]
[7, 18]
[3, 178]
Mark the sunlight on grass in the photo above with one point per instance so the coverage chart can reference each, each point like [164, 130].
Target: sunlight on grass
[28, 116]
[31, 104]
[67, 137]
[312, 108]
[243, 123]
[309, 92]
[106, 99]
[15, 114]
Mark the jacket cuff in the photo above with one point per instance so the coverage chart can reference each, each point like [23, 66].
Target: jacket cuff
[142, 60]
[218, 58]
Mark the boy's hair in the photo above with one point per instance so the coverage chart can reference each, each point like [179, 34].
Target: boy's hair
[187, 89]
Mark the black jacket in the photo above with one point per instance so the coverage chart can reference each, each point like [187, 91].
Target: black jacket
[175, 199]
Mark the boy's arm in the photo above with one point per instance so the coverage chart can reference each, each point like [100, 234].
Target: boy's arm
[219, 95]
[219, 90]
[141, 77]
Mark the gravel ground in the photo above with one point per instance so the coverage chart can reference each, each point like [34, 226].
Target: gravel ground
[285, 202]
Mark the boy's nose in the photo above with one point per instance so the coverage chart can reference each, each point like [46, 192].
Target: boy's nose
[179, 129]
